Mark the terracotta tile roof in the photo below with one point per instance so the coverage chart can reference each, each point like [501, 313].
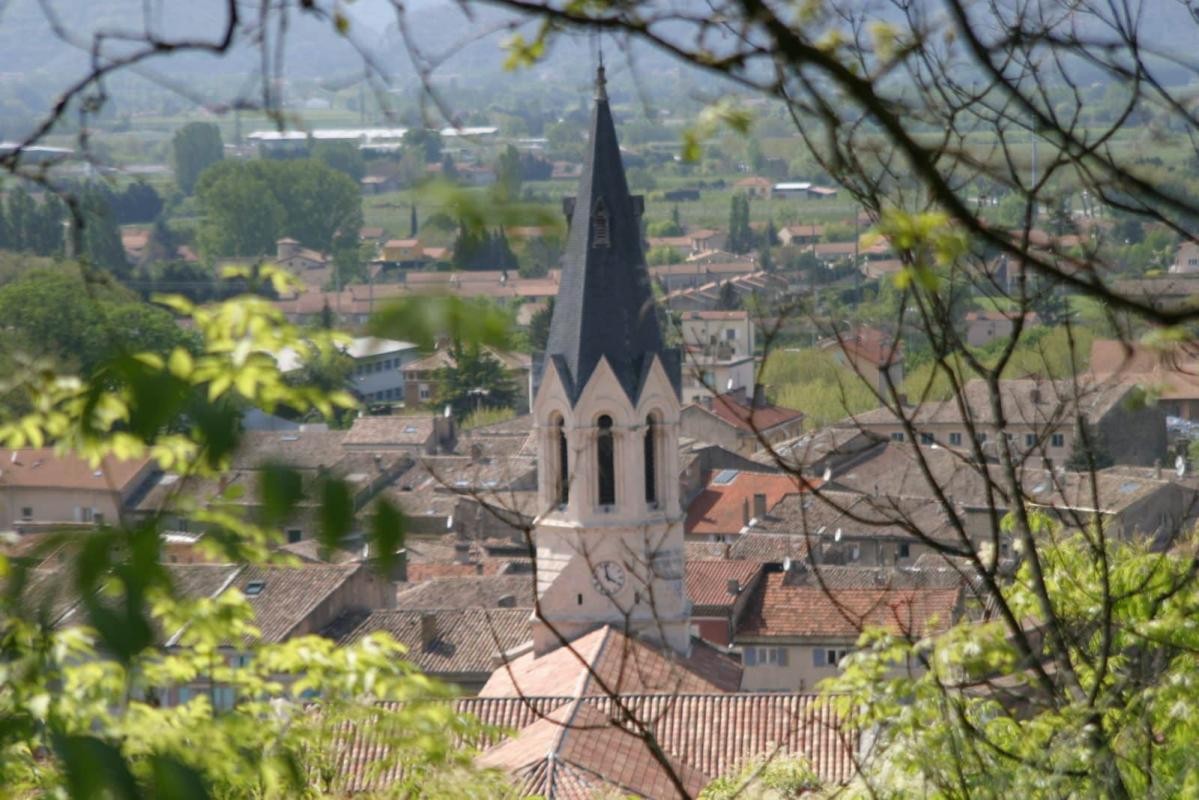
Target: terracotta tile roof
[474, 592]
[783, 608]
[362, 764]
[871, 345]
[288, 595]
[389, 431]
[598, 753]
[855, 515]
[1026, 401]
[721, 508]
[592, 756]
[418, 573]
[623, 663]
[708, 581]
[43, 468]
[745, 418]
[446, 641]
[297, 449]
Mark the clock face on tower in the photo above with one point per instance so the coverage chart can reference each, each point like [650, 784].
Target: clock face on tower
[608, 577]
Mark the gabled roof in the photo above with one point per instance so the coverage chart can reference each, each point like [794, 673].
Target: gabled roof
[283, 597]
[440, 641]
[621, 662]
[721, 507]
[1025, 401]
[384, 431]
[702, 735]
[785, 606]
[708, 581]
[747, 418]
[43, 468]
[605, 307]
[480, 591]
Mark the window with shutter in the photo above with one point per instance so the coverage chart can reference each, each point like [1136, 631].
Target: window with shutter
[751, 656]
[818, 657]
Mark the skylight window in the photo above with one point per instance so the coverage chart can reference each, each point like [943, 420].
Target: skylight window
[254, 588]
[725, 477]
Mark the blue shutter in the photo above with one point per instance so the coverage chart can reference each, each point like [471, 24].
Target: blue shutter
[751, 656]
[818, 657]
[783, 656]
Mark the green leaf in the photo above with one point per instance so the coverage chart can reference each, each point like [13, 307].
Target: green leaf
[94, 769]
[281, 488]
[387, 534]
[177, 780]
[336, 513]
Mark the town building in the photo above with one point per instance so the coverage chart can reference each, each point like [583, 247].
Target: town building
[1039, 419]
[44, 490]
[741, 422]
[610, 550]
[718, 353]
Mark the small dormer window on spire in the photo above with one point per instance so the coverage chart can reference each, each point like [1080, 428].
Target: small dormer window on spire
[599, 225]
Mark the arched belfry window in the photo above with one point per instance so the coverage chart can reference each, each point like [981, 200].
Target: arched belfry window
[600, 236]
[605, 457]
[561, 464]
[650, 442]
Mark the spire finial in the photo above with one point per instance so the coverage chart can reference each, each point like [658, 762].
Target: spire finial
[601, 82]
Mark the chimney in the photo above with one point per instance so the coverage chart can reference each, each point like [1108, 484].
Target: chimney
[461, 552]
[744, 512]
[760, 506]
[759, 396]
[446, 433]
[428, 629]
[286, 248]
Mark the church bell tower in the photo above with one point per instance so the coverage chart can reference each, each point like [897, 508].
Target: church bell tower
[609, 538]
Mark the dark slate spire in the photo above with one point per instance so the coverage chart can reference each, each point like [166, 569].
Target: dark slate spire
[605, 306]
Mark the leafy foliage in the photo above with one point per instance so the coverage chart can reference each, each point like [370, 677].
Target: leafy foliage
[83, 705]
[475, 381]
[249, 206]
[949, 728]
[813, 382]
[195, 147]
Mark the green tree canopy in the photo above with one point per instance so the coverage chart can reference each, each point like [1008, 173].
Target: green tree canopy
[476, 381]
[53, 312]
[195, 147]
[249, 206]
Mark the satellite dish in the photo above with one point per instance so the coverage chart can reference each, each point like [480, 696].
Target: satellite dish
[837, 535]
[787, 564]
[449, 522]
[1180, 466]
[446, 413]
[729, 386]
[828, 474]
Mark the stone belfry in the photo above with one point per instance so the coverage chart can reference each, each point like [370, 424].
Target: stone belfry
[609, 538]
